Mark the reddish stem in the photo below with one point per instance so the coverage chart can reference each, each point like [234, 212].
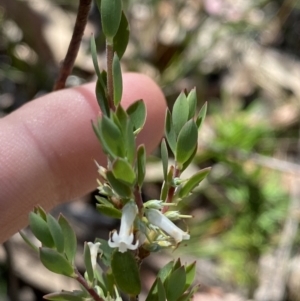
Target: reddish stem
[84, 283]
[68, 63]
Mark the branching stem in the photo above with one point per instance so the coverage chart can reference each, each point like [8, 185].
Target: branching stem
[68, 63]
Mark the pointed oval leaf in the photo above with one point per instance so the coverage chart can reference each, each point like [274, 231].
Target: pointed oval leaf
[122, 116]
[56, 233]
[164, 157]
[161, 294]
[111, 12]
[190, 159]
[69, 238]
[28, 241]
[137, 114]
[193, 182]
[126, 272]
[88, 262]
[112, 138]
[41, 212]
[94, 56]
[164, 191]
[176, 265]
[56, 262]
[152, 295]
[123, 171]
[170, 132]
[175, 284]
[117, 80]
[122, 37]
[141, 164]
[101, 98]
[180, 113]
[201, 116]
[190, 275]
[39, 228]
[104, 201]
[109, 211]
[130, 142]
[120, 188]
[165, 271]
[186, 143]
[192, 101]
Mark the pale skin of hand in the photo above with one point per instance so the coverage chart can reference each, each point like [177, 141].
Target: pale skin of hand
[48, 147]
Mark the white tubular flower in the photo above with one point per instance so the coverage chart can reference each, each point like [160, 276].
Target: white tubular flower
[94, 249]
[124, 239]
[156, 218]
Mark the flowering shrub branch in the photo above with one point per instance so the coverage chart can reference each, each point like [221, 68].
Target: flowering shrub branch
[145, 227]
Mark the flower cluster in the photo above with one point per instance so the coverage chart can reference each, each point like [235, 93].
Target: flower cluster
[124, 240]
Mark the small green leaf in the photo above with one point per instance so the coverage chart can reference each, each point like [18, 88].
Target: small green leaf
[130, 142]
[175, 284]
[164, 191]
[56, 233]
[69, 238]
[153, 294]
[160, 291]
[193, 182]
[110, 282]
[137, 114]
[192, 101]
[141, 164]
[28, 241]
[120, 188]
[88, 262]
[104, 201]
[186, 143]
[165, 271]
[41, 212]
[190, 274]
[164, 157]
[121, 115]
[39, 228]
[111, 12]
[122, 37]
[94, 56]
[123, 171]
[56, 262]
[101, 98]
[170, 132]
[109, 211]
[65, 296]
[117, 80]
[111, 137]
[176, 265]
[180, 113]
[126, 272]
[201, 116]
[190, 159]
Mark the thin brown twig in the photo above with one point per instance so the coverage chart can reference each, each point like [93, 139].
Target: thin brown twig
[91, 291]
[68, 63]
